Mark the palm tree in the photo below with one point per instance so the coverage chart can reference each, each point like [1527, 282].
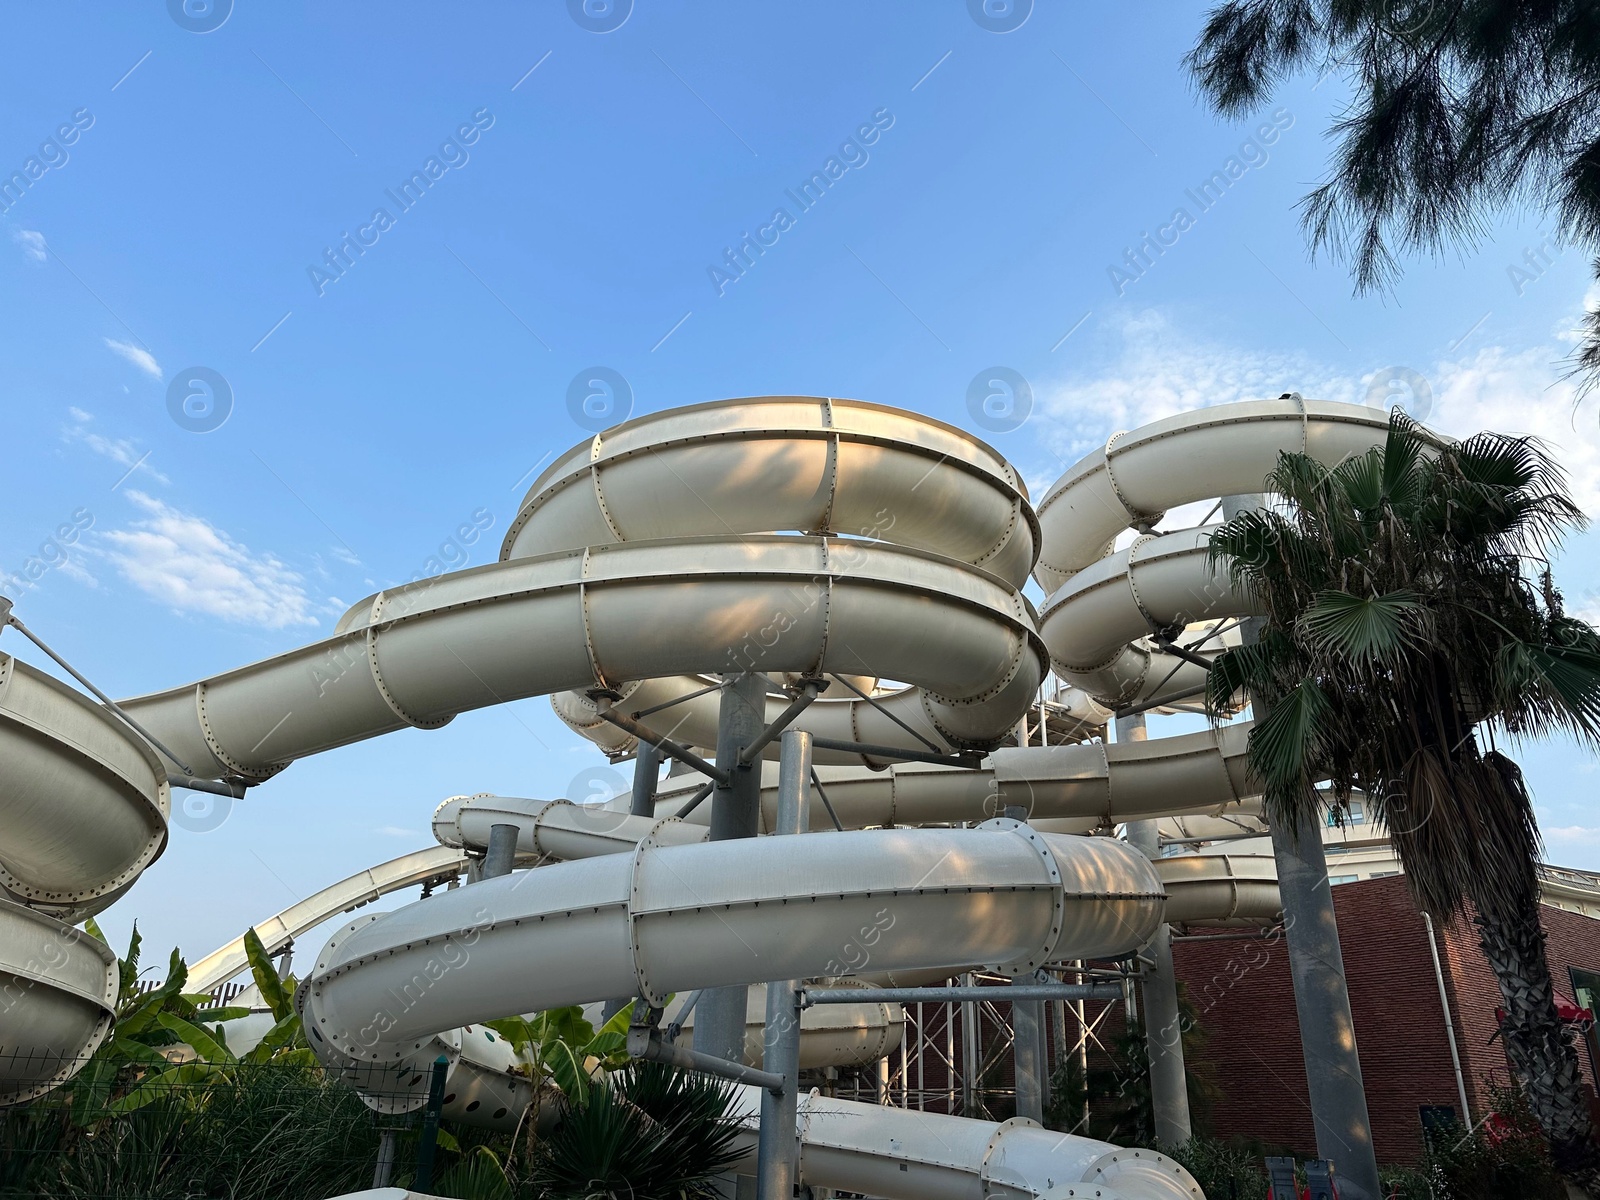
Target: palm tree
[1409, 617]
[1457, 109]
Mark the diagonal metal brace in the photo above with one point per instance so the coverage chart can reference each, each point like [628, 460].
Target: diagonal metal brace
[603, 701]
[809, 688]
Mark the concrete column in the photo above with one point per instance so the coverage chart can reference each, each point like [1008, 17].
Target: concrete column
[735, 813]
[778, 1146]
[1169, 1085]
[1316, 964]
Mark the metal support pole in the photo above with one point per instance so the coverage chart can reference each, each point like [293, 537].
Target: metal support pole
[969, 1053]
[735, 813]
[646, 769]
[808, 694]
[384, 1170]
[1163, 1031]
[502, 852]
[1027, 1027]
[778, 1145]
[1079, 1011]
[1449, 1025]
[1316, 964]
[430, 1125]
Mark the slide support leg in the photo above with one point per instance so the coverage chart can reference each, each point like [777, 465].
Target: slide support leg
[735, 813]
[778, 1148]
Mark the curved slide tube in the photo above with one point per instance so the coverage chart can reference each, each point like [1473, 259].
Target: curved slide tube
[674, 918]
[1227, 450]
[1102, 605]
[419, 654]
[58, 992]
[1097, 784]
[280, 929]
[703, 594]
[83, 810]
[802, 463]
[647, 554]
[910, 1155]
[83, 800]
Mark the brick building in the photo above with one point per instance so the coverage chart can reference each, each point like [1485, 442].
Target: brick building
[1245, 999]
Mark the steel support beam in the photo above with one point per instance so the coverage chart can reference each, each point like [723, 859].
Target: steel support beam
[646, 770]
[808, 694]
[1163, 1030]
[934, 995]
[647, 736]
[1027, 1048]
[735, 813]
[1322, 1000]
[778, 1146]
[872, 750]
[647, 1043]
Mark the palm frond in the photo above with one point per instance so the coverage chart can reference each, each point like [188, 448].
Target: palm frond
[1380, 629]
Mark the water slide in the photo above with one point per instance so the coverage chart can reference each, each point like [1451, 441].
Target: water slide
[647, 555]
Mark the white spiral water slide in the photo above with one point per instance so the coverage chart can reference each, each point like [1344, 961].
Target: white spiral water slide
[646, 555]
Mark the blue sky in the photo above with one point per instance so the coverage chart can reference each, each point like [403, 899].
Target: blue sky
[585, 220]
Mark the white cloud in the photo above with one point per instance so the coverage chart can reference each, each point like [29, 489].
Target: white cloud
[1159, 371]
[32, 243]
[137, 355]
[186, 562]
[119, 450]
[396, 831]
[1572, 835]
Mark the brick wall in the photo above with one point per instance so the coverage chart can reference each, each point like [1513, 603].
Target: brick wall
[1246, 1002]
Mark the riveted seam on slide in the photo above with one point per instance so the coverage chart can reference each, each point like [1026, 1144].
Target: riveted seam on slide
[1135, 517]
[383, 688]
[595, 669]
[605, 509]
[647, 990]
[538, 824]
[213, 743]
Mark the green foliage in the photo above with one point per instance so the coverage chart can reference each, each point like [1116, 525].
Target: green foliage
[560, 1042]
[267, 1132]
[479, 1175]
[1117, 1088]
[1408, 603]
[145, 1058]
[645, 1132]
[1459, 108]
[1408, 611]
[1504, 1159]
[1225, 1169]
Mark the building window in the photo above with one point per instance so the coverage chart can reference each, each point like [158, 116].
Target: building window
[1382, 874]
[1357, 815]
[1586, 991]
[1337, 879]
